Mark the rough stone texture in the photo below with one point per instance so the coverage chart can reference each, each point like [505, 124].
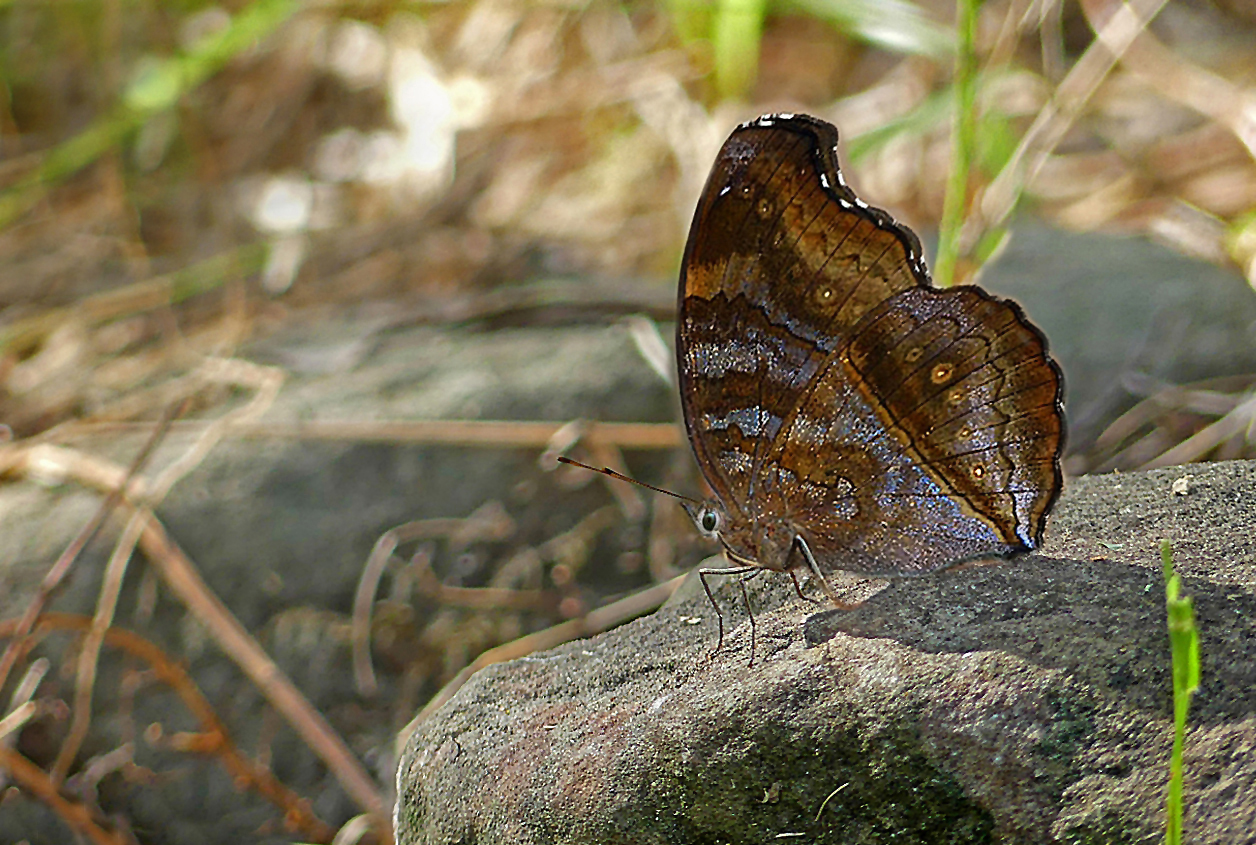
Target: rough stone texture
[1027, 702]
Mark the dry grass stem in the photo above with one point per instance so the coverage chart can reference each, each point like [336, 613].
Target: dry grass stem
[489, 522]
[18, 712]
[1239, 422]
[89, 654]
[1175, 78]
[180, 575]
[15, 719]
[504, 434]
[266, 382]
[1174, 424]
[216, 741]
[56, 574]
[1113, 38]
[80, 819]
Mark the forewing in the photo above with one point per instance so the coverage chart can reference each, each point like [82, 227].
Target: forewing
[782, 261]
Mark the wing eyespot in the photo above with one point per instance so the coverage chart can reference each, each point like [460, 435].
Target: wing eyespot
[941, 373]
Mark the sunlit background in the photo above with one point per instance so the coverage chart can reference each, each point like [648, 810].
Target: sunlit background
[186, 186]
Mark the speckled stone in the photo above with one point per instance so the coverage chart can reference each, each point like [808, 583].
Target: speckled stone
[1027, 702]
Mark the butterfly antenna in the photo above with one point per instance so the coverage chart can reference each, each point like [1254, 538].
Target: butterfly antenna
[622, 477]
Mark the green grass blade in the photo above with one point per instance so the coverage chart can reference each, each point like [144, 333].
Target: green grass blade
[139, 297]
[963, 143]
[926, 115]
[1184, 648]
[896, 26]
[737, 32]
[691, 20]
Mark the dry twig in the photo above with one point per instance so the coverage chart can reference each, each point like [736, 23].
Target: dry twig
[215, 739]
[52, 580]
[488, 522]
[502, 434]
[181, 576]
[77, 816]
[266, 382]
[1112, 39]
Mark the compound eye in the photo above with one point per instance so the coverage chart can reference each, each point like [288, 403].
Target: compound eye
[709, 521]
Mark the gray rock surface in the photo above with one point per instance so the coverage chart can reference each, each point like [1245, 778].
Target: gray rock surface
[1027, 702]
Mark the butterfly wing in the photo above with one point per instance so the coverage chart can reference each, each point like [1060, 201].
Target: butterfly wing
[774, 233]
[932, 437]
[830, 392]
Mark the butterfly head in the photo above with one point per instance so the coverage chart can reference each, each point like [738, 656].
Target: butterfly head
[767, 544]
[709, 517]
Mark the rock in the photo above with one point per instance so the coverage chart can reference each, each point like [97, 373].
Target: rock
[1027, 702]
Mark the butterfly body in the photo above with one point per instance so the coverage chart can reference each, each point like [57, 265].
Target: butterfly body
[846, 414]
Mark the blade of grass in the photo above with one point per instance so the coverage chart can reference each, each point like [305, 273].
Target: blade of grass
[963, 142]
[736, 31]
[735, 38]
[930, 112]
[1184, 648]
[997, 200]
[156, 90]
[692, 21]
[1241, 244]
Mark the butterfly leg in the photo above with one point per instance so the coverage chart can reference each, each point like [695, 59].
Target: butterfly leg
[824, 582]
[745, 597]
[798, 588]
[733, 570]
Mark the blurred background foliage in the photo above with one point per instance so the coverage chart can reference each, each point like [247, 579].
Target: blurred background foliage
[186, 175]
[184, 179]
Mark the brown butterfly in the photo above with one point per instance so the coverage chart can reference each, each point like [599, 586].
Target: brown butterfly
[846, 414]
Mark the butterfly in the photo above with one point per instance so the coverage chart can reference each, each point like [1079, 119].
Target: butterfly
[846, 414]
